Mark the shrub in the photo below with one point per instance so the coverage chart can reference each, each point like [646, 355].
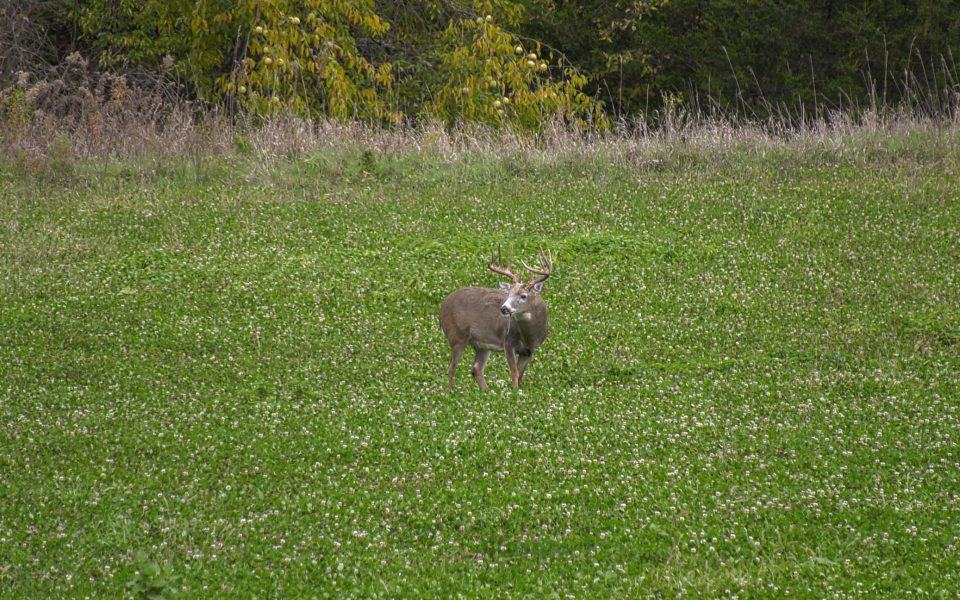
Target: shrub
[93, 108]
[489, 75]
[326, 58]
[303, 56]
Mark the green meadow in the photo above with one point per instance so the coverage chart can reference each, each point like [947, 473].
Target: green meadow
[226, 377]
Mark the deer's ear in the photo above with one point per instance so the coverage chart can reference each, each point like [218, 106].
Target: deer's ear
[505, 286]
[538, 287]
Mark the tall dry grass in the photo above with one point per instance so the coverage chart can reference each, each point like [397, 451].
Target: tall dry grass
[72, 113]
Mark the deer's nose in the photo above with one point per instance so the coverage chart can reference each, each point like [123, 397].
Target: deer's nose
[504, 310]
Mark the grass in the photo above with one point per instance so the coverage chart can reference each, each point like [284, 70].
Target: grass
[227, 379]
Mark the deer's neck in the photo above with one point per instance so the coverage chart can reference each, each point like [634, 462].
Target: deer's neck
[522, 328]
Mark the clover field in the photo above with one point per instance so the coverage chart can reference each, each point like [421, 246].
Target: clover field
[226, 379]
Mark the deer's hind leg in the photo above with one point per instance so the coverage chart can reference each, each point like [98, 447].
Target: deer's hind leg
[455, 351]
[479, 364]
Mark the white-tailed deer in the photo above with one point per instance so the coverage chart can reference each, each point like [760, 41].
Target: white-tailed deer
[512, 320]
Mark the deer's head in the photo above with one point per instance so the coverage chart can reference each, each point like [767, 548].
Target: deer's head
[521, 295]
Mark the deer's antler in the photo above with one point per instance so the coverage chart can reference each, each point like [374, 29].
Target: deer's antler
[544, 269]
[499, 267]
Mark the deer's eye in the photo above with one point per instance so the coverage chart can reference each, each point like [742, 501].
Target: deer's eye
[523, 296]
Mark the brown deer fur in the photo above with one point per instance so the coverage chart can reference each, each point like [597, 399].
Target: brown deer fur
[512, 320]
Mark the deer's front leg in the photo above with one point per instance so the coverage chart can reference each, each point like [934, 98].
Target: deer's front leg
[512, 362]
[522, 361]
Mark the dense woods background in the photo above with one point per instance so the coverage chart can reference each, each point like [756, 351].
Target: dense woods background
[494, 61]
